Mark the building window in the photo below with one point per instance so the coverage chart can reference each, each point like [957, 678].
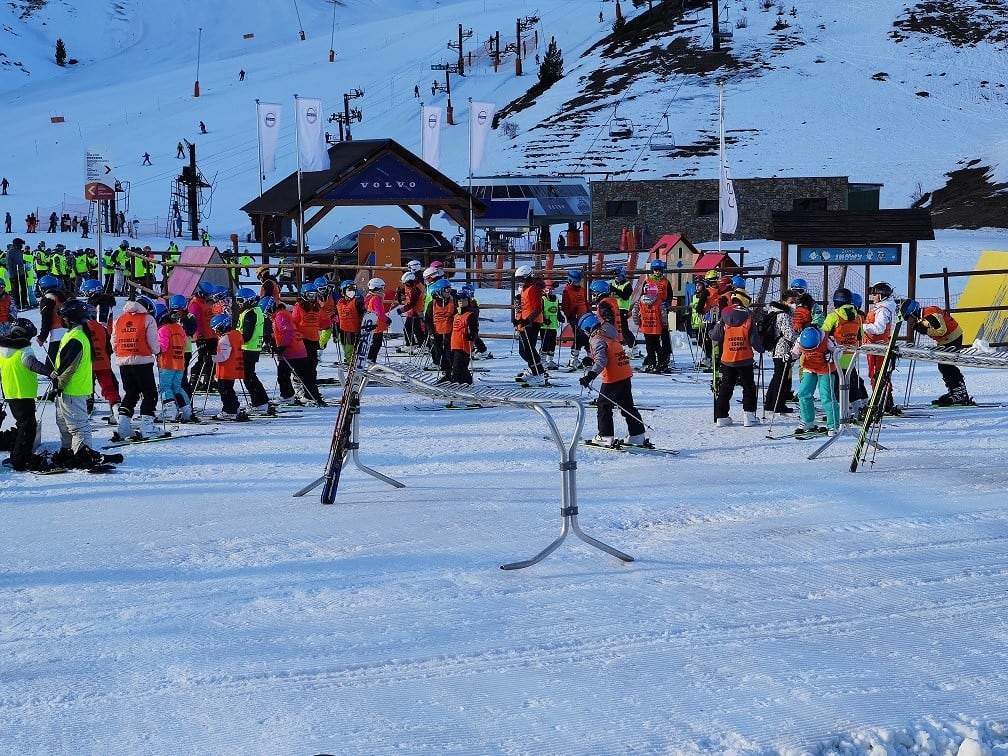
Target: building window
[810, 203]
[621, 208]
[707, 208]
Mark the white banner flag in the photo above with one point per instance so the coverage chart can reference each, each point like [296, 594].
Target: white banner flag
[729, 210]
[313, 154]
[430, 134]
[481, 116]
[269, 134]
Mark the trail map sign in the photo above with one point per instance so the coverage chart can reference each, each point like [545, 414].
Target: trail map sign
[97, 186]
[879, 254]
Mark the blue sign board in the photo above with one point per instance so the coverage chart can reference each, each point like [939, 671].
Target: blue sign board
[879, 254]
[388, 179]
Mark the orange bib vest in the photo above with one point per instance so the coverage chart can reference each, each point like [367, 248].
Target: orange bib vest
[131, 335]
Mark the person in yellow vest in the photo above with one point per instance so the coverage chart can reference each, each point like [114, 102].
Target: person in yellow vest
[136, 346]
[73, 381]
[251, 323]
[737, 340]
[613, 364]
[19, 372]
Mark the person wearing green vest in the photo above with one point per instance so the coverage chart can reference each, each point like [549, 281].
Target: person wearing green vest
[19, 372]
[42, 260]
[552, 318]
[108, 271]
[251, 322]
[80, 268]
[139, 265]
[121, 258]
[245, 260]
[73, 381]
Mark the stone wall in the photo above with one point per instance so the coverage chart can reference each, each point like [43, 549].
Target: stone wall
[672, 206]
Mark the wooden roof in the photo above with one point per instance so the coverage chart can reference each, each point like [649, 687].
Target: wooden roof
[855, 228]
[369, 172]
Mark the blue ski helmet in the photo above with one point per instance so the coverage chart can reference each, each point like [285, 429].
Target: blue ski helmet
[842, 296]
[799, 284]
[220, 322]
[440, 286]
[205, 288]
[267, 304]
[657, 266]
[588, 322]
[856, 300]
[246, 296]
[177, 302]
[50, 283]
[810, 338]
[599, 287]
[161, 313]
[909, 308]
[89, 287]
[574, 276]
[147, 303]
[619, 273]
[738, 282]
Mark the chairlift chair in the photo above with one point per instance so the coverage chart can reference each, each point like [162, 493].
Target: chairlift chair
[663, 140]
[724, 30]
[620, 127]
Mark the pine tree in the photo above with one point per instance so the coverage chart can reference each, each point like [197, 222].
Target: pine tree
[551, 70]
[61, 53]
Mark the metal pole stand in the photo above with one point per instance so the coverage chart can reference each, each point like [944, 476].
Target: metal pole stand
[845, 427]
[353, 446]
[568, 495]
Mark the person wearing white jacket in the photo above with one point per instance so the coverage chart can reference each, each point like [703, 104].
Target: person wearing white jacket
[135, 344]
[880, 321]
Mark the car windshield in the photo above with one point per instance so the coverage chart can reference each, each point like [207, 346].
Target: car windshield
[345, 243]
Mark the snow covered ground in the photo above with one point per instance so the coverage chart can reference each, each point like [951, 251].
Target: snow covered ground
[188, 603]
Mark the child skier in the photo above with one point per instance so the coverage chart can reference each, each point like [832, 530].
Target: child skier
[19, 372]
[647, 313]
[736, 340]
[819, 355]
[374, 302]
[171, 367]
[552, 319]
[613, 364]
[228, 367]
[465, 329]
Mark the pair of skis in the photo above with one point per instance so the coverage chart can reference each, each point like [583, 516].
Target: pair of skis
[348, 407]
[873, 414]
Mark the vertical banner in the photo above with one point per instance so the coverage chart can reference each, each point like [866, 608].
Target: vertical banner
[313, 154]
[481, 116]
[269, 134]
[430, 134]
[726, 198]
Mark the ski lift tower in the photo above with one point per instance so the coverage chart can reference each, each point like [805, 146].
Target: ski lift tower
[463, 34]
[449, 69]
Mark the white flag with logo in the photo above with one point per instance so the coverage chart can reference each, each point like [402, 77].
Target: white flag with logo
[481, 116]
[729, 210]
[313, 154]
[430, 134]
[269, 134]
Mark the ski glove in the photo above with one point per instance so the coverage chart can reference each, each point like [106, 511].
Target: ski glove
[586, 379]
[587, 362]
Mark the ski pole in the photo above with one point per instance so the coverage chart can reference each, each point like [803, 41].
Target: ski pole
[636, 414]
[909, 381]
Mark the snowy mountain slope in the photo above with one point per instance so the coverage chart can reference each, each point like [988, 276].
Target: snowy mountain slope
[840, 90]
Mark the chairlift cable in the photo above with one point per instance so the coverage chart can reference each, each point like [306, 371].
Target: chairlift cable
[298, 13]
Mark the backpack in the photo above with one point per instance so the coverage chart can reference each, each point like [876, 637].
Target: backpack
[768, 330]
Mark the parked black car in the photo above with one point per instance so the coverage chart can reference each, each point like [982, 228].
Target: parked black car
[416, 244]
